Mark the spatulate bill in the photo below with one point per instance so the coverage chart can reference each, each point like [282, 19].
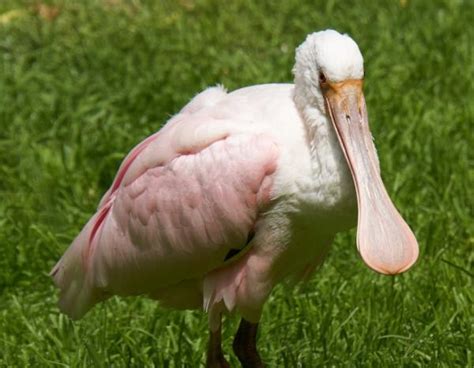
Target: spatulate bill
[384, 240]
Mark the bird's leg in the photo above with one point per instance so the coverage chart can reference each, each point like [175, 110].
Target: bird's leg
[215, 357]
[245, 345]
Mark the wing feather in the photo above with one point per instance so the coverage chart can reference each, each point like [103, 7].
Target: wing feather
[180, 202]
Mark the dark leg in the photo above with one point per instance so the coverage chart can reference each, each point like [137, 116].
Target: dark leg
[245, 345]
[215, 357]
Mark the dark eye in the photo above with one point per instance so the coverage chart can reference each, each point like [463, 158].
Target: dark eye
[322, 78]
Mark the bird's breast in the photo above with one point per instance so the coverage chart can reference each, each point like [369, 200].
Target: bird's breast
[316, 184]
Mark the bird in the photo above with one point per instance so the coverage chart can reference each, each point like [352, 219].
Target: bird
[238, 192]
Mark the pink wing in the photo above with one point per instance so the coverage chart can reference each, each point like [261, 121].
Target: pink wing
[181, 200]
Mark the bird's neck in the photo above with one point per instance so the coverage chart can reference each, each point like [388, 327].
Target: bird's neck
[326, 152]
[330, 173]
[322, 138]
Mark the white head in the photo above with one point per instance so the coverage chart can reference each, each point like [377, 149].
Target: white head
[326, 55]
[329, 76]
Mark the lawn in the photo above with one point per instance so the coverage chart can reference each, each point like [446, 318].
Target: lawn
[83, 82]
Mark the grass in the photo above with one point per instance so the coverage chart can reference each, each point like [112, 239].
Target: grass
[79, 89]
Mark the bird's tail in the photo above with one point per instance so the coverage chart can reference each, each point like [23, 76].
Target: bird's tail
[72, 276]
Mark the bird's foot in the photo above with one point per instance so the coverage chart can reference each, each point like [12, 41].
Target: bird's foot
[217, 361]
[215, 357]
[245, 345]
[249, 358]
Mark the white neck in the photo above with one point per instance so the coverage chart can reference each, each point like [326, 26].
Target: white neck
[310, 103]
[333, 188]
[338, 58]
[320, 132]
[321, 136]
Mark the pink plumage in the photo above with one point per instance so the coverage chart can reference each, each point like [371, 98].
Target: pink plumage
[181, 200]
[239, 191]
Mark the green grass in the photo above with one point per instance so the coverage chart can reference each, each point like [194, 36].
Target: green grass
[78, 92]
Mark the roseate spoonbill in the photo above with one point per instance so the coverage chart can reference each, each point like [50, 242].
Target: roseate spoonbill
[239, 191]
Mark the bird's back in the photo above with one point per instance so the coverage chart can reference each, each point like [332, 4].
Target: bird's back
[180, 202]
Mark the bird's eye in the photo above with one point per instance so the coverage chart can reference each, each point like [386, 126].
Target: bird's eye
[322, 78]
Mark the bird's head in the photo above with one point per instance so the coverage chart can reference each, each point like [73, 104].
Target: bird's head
[329, 78]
